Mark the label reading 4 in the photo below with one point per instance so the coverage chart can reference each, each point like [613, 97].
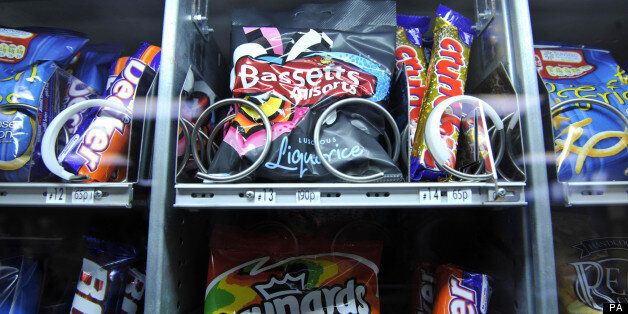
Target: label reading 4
[83, 196]
[265, 196]
[308, 197]
[460, 196]
[430, 196]
[55, 196]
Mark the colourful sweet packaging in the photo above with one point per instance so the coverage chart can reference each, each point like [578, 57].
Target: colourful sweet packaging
[447, 74]
[102, 281]
[115, 70]
[459, 291]
[249, 273]
[423, 290]
[99, 148]
[20, 49]
[21, 130]
[410, 54]
[133, 292]
[589, 140]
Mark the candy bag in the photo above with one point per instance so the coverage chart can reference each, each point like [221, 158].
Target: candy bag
[40, 86]
[590, 141]
[459, 291]
[447, 74]
[94, 64]
[250, 273]
[102, 283]
[105, 160]
[293, 72]
[21, 49]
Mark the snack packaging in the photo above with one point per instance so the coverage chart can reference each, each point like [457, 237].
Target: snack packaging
[589, 140]
[94, 64]
[102, 283]
[21, 49]
[21, 130]
[447, 74]
[134, 292]
[20, 285]
[105, 159]
[276, 274]
[293, 72]
[423, 281]
[411, 55]
[459, 291]
[115, 70]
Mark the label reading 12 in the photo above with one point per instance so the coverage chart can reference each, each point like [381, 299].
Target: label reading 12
[430, 196]
[83, 196]
[265, 196]
[460, 196]
[55, 196]
[308, 197]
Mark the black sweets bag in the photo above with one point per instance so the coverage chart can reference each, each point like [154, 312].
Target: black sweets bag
[293, 65]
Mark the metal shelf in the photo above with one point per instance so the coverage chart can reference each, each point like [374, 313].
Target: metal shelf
[448, 194]
[596, 193]
[66, 194]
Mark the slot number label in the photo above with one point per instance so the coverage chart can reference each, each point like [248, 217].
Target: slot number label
[83, 196]
[55, 196]
[265, 196]
[308, 197]
[430, 196]
[459, 196]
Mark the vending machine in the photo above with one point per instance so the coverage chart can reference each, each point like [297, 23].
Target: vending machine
[328, 156]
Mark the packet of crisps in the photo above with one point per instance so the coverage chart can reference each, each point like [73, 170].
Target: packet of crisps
[278, 274]
[589, 141]
[20, 49]
[447, 74]
[410, 54]
[105, 159]
[459, 290]
[21, 130]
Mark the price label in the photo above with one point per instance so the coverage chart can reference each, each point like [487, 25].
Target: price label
[265, 196]
[430, 196]
[459, 196]
[308, 197]
[83, 196]
[55, 196]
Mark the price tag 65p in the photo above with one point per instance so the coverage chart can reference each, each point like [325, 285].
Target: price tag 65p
[459, 196]
[83, 196]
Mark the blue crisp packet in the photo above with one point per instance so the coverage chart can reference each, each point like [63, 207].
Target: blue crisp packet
[20, 49]
[20, 284]
[21, 130]
[590, 141]
[94, 63]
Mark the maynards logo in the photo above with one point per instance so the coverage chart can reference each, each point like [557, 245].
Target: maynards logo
[290, 295]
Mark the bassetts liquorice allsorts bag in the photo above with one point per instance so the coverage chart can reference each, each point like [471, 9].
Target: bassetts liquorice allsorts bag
[293, 65]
